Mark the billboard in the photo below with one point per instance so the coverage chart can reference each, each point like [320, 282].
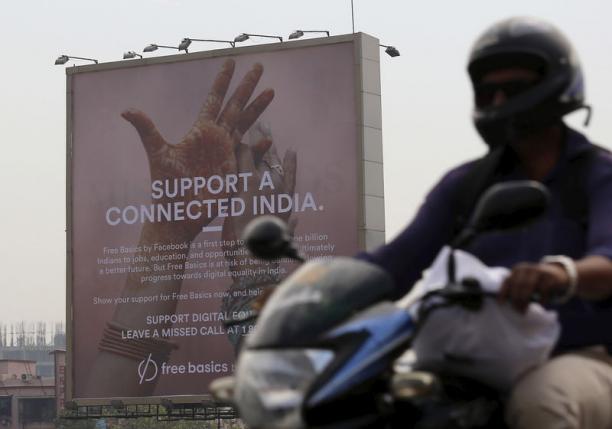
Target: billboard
[168, 160]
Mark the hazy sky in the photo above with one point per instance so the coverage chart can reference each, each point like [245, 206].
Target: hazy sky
[426, 97]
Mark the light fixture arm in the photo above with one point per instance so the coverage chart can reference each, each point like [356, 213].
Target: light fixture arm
[316, 31]
[213, 40]
[82, 58]
[263, 35]
[65, 59]
[299, 33]
[154, 46]
[321, 31]
[270, 37]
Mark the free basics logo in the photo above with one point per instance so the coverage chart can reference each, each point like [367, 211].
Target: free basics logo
[149, 369]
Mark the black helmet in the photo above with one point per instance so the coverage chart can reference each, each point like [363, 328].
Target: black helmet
[536, 45]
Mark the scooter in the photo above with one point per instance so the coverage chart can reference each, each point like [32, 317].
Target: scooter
[325, 348]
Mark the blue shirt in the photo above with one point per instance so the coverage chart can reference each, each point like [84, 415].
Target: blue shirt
[583, 322]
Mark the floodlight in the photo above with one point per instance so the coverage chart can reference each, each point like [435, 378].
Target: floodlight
[245, 36]
[187, 41]
[154, 47]
[63, 59]
[130, 54]
[300, 33]
[184, 44]
[391, 51]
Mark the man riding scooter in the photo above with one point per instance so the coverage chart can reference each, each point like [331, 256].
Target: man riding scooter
[526, 77]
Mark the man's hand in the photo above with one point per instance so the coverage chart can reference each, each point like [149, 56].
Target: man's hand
[209, 146]
[528, 282]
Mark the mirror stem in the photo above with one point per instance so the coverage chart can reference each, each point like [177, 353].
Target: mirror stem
[294, 253]
[463, 239]
[450, 267]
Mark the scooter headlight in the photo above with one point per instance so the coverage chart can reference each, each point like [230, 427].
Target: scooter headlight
[271, 384]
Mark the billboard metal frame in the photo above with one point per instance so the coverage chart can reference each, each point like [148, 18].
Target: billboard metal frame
[203, 411]
[370, 207]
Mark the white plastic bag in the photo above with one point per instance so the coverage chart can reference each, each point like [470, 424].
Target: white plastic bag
[493, 345]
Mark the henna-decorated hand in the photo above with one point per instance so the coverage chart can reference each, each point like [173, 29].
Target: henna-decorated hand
[209, 147]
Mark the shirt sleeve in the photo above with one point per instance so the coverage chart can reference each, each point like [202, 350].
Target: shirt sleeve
[599, 240]
[414, 249]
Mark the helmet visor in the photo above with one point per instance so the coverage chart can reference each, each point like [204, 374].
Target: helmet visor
[486, 93]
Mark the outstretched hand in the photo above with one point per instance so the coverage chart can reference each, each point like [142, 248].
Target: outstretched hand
[209, 147]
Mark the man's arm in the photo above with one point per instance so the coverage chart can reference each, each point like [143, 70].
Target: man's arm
[593, 272]
[552, 281]
[594, 278]
[415, 248]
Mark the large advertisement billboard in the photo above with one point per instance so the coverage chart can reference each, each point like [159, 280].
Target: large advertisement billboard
[168, 161]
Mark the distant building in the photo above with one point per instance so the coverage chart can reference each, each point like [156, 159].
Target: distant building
[43, 361]
[29, 342]
[27, 400]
